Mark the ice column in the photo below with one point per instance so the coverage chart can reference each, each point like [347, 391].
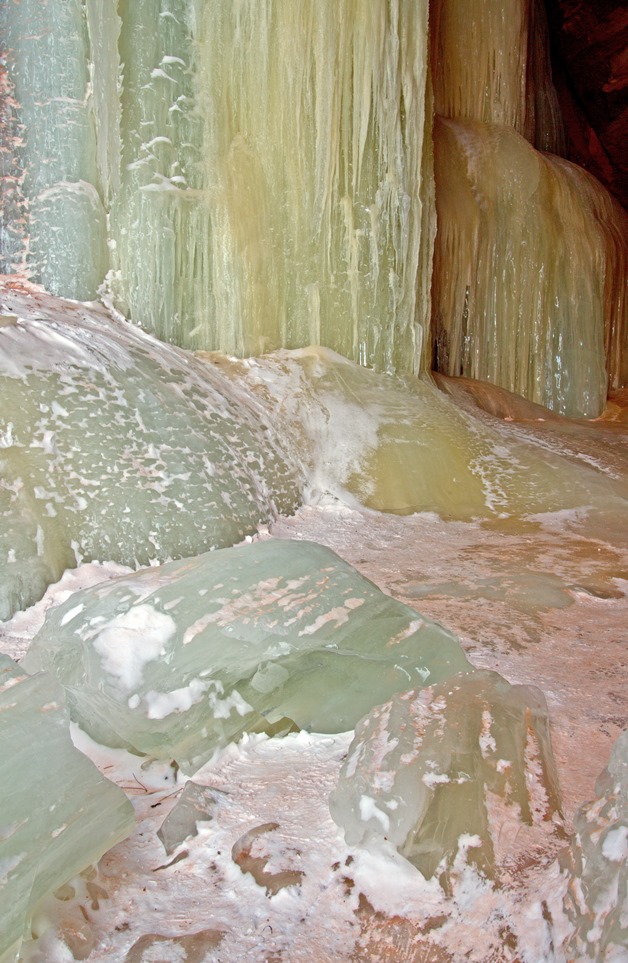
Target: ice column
[276, 185]
[54, 222]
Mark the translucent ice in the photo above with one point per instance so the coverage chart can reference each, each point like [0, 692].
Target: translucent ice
[490, 62]
[116, 447]
[439, 772]
[410, 449]
[529, 270]
[195, 804]
[58, 814]
[178, 660]
[597, 897]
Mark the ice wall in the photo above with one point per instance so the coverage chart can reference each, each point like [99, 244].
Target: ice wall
[530, 270]
[262, 171]
[53, 216]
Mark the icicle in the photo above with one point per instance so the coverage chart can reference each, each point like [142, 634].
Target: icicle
[276, 187]
[490, 62]
[525, 274]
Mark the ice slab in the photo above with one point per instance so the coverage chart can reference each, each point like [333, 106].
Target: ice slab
[118, 448]
[176, 661]
[596, 901]
[58, 815]
[441, 771]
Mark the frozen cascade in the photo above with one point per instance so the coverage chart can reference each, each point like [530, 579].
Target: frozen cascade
[255, 175]
[265, 168]
[530, 253]
[260, 175]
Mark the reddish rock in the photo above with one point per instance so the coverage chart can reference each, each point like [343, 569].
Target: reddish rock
[590, 59]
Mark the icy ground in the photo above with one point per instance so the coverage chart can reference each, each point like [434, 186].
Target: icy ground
[269, 877]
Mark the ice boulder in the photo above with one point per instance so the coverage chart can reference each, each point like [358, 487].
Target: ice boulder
[58, 815]
[451, 772]
[116, 447]
[177, 660]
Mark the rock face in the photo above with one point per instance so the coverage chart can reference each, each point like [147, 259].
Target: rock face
[590, 68]
[176, 661]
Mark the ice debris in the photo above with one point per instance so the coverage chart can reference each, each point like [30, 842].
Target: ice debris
[443, 769]
[58, 814]
[178, 660]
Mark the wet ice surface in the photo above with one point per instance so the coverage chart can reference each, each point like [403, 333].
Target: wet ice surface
[352, 903]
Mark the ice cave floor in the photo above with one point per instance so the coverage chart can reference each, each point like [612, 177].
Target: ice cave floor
[268, 875]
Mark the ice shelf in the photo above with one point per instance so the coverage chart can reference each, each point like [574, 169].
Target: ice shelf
[175, 661]
[440, 771]
[114, 446]
[58, 815]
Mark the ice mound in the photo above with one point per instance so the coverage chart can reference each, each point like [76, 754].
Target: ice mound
[116, 447]
[597, 897]
[58, 814]
[176, 661]
[411, 448]
[445, 773]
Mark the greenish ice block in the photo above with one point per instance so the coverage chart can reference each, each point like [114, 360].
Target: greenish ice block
[116, 447]
[58, 815]
[176, 661]
[438, 771]
[596, 901]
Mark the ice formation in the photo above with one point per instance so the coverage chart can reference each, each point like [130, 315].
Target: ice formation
[58, 814]
[411, 449]
[116, 447]
[176, 661]
[597, 897]
[507, 80]
[439, 772]
[530, 253]
[265, 167]
[260, 175]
